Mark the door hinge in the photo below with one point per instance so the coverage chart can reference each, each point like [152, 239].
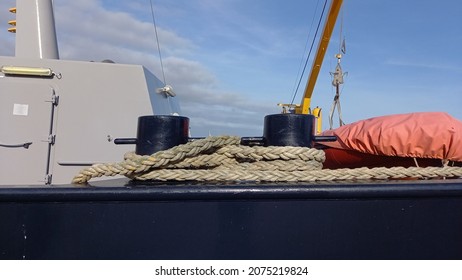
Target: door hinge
[48, 178]
[55, 99]
[51, 139]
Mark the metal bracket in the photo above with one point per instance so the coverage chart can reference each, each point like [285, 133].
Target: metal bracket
[48, 178]
[55, 99]
[51, 139]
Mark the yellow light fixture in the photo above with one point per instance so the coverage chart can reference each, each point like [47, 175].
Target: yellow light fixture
[26, 71]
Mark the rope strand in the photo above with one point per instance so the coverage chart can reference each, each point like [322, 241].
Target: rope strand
[222, 158]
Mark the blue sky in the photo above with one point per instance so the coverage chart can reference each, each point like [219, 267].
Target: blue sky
[232, 61]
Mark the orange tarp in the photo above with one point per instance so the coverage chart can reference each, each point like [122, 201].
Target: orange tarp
[419, 135]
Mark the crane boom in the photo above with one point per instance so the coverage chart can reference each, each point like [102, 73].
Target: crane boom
[334, 10]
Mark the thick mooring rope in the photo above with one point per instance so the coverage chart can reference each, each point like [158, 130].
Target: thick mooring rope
[222, 158]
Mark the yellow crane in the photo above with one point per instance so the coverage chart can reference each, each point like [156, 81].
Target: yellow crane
[304, 107]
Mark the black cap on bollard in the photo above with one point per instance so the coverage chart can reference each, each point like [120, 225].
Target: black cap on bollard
[158, 133]
[289, 130]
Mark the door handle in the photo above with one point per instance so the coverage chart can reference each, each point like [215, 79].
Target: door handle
[23, 145]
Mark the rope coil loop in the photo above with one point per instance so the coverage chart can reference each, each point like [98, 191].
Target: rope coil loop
[222, 158]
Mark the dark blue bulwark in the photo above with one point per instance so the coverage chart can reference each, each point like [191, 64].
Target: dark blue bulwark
[119, 219]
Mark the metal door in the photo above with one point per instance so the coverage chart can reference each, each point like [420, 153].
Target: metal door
[26, 131]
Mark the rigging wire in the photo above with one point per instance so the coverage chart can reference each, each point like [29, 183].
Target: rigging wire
[309, 53]
[341, 42]
[157, 40]
[338, 76]
[306, 46]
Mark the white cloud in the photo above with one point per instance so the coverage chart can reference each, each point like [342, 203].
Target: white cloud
[100, 34]
[210, 108]
[87, 22]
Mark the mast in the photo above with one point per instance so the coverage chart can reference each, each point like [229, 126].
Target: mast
[334, 9]
[35, 30]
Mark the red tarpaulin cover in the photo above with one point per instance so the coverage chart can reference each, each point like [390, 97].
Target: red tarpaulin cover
[417, 135]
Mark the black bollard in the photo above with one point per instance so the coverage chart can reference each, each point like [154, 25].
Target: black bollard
[158, 133]
[289, 130]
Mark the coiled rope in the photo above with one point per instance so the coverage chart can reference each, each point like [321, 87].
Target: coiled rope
[222, 158]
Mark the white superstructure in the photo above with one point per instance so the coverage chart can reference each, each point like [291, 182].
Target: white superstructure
[69, 111]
